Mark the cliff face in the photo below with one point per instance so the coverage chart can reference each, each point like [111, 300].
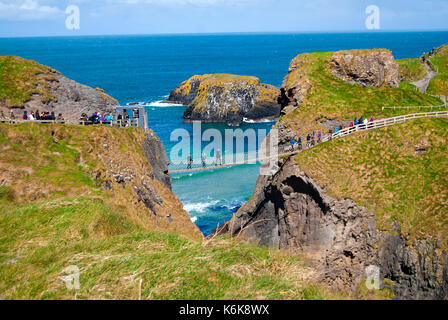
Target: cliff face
[126, 168]
[370, 199]
[227, 98]
[291, 211]
[28, 85]
[368, 68]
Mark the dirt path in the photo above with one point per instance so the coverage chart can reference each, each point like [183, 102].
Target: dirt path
[423, 84]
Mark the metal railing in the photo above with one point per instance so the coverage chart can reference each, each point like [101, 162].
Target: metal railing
[384, 123]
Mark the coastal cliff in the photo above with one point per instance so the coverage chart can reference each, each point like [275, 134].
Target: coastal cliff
[374, 198]
[227, 98]
[28, 85]
[68, 161]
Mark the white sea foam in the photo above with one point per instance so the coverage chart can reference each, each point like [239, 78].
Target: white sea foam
[258, 121]
[163, 104]
[159, 104]
[199, 206]
[194, 219]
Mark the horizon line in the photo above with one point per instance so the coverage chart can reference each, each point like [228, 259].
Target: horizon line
[231, 33]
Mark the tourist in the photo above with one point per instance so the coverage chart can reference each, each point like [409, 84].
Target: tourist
[109, 117]
[299, 142]
[52, 116]
[371, 119]
[319, 137]
[351, 124]
[308, 140]
[293, 142]
[336, 130]
[25, 115]
[60, 118]
[189, 161]
[356, 122]
[37, 115]
[11, 114]
[366, 121]
[218, 158]
[31, 117]
[204, 160]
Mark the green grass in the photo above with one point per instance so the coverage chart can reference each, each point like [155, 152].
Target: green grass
[120, 260]
[411, 69]
[21, 78]
[332, 98]
[439, 85]
[381, 170]
[53, 215]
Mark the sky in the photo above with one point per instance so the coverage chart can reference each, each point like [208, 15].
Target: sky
[20, 18]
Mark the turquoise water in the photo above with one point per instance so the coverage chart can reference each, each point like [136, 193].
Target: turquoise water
[147, 68]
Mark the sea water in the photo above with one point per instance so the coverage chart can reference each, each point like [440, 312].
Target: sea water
[146, 68]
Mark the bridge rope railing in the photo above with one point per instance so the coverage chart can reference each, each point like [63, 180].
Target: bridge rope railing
[198, 165]
[111, 123]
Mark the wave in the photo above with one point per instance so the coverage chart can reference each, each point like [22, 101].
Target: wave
[159, 104]
[199, 207]
[214, 206]
[258, 121]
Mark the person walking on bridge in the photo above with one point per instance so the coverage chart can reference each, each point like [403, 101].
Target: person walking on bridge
[204, 160]
[189, 161]
[218, 157]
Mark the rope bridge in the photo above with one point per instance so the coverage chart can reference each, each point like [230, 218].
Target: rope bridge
[197, 164]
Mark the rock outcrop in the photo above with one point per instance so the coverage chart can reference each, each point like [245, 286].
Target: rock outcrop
[38, 87]
[156, 154]
[289, 210]
[227, 98]
[296, 84]
[368, 68]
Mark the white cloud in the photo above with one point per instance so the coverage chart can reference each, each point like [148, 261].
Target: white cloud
[27, 10]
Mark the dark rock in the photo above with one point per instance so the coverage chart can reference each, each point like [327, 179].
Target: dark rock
[156, 155]
[289, 210]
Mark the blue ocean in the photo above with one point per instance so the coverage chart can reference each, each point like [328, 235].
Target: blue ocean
[146, 68]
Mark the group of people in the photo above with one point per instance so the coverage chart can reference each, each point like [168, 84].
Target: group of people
[311, 140]
[426, 56]
[316, 137]
[36, 115]
[218, 159]
[96, 118]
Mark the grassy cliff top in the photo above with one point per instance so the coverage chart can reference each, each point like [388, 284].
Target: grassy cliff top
[54, 213]
[42, 162]
[411, 69]
[381, 170]
[119, 260]
[332, 98]
[20, 79]
[224, 78]
[439, 85]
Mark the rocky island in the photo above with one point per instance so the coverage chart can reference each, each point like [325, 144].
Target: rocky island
[227, 98]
